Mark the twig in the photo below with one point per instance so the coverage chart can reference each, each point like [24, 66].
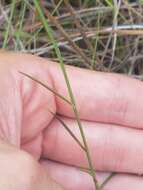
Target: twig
[78, 25]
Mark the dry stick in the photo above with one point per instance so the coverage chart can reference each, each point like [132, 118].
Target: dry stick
[132, 9]
[92, 11]
[54, 6]
[82, 12]
[78, 25]
[75, 47]
[106, 47]
[115, 24]
[120, 30]
[134, 54]
[133, 61]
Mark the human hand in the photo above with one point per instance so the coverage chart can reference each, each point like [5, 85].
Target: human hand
[111, 113]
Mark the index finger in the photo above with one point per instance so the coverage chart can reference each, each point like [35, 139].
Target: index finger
[102, 97]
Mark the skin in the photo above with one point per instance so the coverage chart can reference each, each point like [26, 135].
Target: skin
[35, 149]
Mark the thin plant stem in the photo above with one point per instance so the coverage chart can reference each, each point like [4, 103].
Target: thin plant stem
[20, 29]
[9, 23]
[107, 179]
[51, 37]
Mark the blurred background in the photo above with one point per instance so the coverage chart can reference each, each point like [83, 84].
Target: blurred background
[103, 35]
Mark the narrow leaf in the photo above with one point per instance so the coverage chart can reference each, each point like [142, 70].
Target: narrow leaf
[45, 86]
[69, 131]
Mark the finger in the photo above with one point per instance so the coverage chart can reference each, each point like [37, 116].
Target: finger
[70, 177]
[110, 98]
[113, 148]
[73, 179]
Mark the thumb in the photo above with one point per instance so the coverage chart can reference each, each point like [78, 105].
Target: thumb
[19, 171]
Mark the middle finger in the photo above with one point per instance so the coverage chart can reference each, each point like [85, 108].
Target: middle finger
[112, 147]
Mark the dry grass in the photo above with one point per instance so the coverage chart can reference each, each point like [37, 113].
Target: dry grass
[101, 35]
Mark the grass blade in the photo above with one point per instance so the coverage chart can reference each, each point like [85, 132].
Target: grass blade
[68, 130]
[9, 24]
[45, 86]
[107, 179]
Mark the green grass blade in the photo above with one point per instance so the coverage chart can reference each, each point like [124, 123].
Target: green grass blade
[9, 23]
[21, 21]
